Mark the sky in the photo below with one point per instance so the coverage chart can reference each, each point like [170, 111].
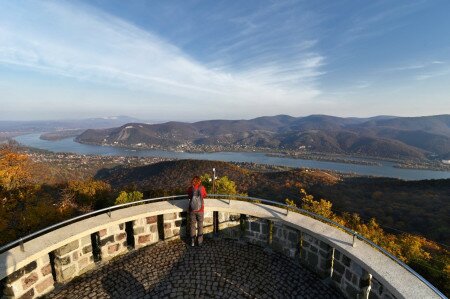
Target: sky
[194, 60]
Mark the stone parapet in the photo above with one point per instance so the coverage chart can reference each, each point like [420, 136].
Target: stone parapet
[30, 281]
[285, 239]
[356, 269]
[229, 225]
[73, 259]
[256, 231]
[113, 241]
[145, 231]
[316, 254]
[174, 225]
[350, 277]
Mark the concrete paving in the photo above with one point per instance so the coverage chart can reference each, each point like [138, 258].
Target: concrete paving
[218, 269]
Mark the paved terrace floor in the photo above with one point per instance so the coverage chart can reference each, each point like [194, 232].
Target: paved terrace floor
[218, 269]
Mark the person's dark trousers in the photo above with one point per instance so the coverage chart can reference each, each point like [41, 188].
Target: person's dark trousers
[196, 219]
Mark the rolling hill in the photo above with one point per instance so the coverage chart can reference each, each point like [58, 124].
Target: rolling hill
[416, 138]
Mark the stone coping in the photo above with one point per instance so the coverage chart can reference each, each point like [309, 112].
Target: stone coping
[395, 278]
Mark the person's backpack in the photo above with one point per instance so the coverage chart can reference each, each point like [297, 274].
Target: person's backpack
[196, 201]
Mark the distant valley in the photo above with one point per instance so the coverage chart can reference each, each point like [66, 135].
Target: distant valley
[412, 139]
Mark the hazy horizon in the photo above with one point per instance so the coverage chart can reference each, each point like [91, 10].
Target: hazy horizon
[197, 60]
[205, 119]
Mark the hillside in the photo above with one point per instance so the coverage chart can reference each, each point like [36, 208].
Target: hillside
[406, 138]
[413, 206]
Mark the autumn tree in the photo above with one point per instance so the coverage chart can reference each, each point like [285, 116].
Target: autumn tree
[87, 194]
[125, 197]
[14, 169]
[223, 185]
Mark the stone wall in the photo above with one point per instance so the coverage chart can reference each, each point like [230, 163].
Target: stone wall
[378, 291]
[113, 241]
[316, 255]
[229, 225]
[33, 280]
[73, 259]
[256, 231]
[208, 224]
[174, 225]
[350, 277]
[145, 231]
[76, 257]
[285, 239]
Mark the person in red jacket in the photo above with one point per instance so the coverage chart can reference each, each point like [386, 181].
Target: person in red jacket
[196, 194]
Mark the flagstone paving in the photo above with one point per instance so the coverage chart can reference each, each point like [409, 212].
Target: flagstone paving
[219, 269]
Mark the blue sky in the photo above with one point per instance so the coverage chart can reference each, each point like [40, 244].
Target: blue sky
[192, 60]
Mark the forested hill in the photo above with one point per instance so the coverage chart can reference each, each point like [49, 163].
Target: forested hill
[413, 206]
[415, 138]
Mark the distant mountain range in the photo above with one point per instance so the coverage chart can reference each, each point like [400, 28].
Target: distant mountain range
[59, 125]
[381, 136]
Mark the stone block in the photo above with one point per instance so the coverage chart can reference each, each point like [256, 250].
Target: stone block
[336, 278]
[87, 249]
[15, 275]
[337, 255]
[167, 225]
[62, 261]
[144, 239]
[113, 248]
[67, 248]
[255, 226]
[121, 236]
[83, 262]
[46, 270]
[102, 233]
[153, 228]
[338, 267]
[138, 230]
[264, 228]
[85, 240]
[30, 267]
[293, 237]
[208, 221]
[75, 256]
[44, 285]
[170, 216]
[346, 260]
[29, 280]
[68, 272]
[352, 292]
[28, 295]
[312, 260]
[357, 269]
[121, 226]
[168, 233]
[152, 219]
[109, 239]
[325, 254]
[348, 275]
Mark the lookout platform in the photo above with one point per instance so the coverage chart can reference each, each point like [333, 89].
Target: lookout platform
[221, 268]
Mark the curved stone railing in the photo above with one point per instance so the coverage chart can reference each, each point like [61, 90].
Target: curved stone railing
[31, 266]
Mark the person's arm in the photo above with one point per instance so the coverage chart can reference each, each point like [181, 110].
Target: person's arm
[204, 194]
[189, 192]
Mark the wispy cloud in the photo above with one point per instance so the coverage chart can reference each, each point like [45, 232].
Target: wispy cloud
[60, 38]
[378, 18]
[433, 74]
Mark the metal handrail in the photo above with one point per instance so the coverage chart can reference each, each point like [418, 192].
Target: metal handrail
[287, 207]
[346, 229]
[80, 217]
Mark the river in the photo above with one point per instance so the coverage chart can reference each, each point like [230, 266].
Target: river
[386, 169]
